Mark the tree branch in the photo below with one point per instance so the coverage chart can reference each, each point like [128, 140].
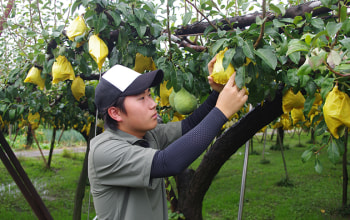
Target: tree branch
[262, 26]
[202, 15]
[7, 11]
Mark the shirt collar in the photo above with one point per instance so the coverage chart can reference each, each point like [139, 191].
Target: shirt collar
[127, 137]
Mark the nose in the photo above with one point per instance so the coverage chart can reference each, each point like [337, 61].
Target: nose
[152, 103]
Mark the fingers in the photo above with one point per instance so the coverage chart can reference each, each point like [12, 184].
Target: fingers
[231, 80]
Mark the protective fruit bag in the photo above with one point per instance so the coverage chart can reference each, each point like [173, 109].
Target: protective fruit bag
[62, 70]
[34, 120]
[291, 100]
[76, 28]
[336, 111]
[297, 115]
[164, 94]
[143, 63]
[78, 88]
[219, 74]
[98, 50]
[34, 76]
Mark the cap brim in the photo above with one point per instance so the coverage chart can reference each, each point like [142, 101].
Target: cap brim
[143, 82]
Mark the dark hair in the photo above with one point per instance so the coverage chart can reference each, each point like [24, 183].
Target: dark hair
[110, 122]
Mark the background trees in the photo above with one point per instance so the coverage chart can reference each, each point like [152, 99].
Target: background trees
[277, 48]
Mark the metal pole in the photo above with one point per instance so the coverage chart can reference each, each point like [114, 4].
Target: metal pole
[244, 175]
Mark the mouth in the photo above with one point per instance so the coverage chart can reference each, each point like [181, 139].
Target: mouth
[155, 116]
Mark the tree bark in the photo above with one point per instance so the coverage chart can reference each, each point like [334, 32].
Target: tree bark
[52, 145]
[247, 20]
[80, 191]
[7, 12]
[223, 148]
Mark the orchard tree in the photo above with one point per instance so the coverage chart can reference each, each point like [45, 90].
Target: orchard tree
[279, 53]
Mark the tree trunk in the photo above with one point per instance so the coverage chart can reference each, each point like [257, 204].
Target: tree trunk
[191, 195]
[280, 136]
[52, 145]
[30, 138]
[80, 191]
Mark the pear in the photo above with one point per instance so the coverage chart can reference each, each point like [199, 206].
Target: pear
[185, 102]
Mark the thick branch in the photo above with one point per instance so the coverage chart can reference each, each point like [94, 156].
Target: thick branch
[247, 20]
[7, 11]
[224, 147]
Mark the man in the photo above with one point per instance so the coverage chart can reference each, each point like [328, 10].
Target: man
[129, 159]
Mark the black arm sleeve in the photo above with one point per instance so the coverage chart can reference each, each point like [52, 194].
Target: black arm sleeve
[198, 115]
[182, 152]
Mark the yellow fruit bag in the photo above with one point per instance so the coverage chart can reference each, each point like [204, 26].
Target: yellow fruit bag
[164, 94]
[76, 28]
[62, 70]
[143, 63]
[286, 123]
[219, 74]
[336, 111]
[34, 76]
[78, 88]
[34, 120]
[291, 100]
[297, 115]
[98, 50]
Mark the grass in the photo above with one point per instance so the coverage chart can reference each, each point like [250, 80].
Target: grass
[310, 195]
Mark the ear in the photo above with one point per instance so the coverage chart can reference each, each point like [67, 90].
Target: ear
[115, 113]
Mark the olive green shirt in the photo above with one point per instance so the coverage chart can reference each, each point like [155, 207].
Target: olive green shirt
[119, 172]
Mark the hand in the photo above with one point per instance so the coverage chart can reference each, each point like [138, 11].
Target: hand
[215, 86]
[231, 99]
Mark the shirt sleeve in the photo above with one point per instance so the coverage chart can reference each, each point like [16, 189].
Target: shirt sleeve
[182, 152]
[198, 115]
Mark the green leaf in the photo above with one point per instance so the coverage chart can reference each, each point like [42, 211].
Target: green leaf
[240, 76]
[296, 45]
[12, 114]
[228, 57]
[268, 56]
[295, 57]
[333, 152]
[346, 43]
[293, 79]
[332, 28]
[116, 17]
[309, 101]
[140, 14]
[343, 13]
[248, 49]
[188, 78]
[187, 18]
[318, 166]
[278, 9]
[341, 144]
[141, 29]
[317, 23]
[307, 155]
[216, 46]
[305, 69]
[327, 86]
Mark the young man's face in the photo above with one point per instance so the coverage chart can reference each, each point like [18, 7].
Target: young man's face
[140, 116]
